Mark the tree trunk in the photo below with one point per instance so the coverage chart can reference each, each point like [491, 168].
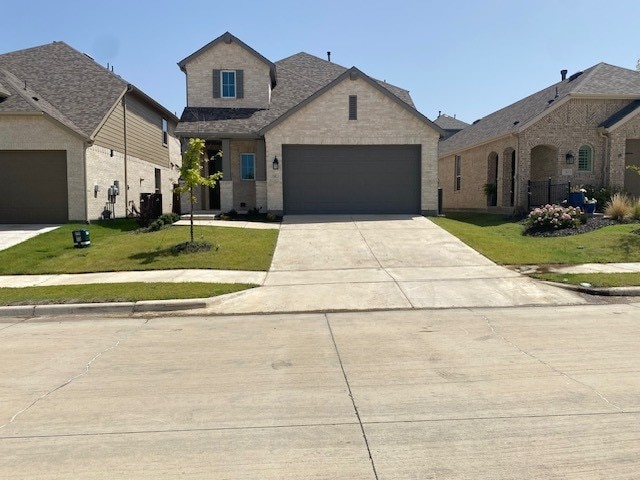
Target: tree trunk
[191, 211]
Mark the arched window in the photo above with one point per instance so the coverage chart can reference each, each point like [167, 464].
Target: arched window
[585, 159]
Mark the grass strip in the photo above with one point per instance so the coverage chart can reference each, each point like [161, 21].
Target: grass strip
[115, 292]
[602, 280]
[501, 240]
[115, 247]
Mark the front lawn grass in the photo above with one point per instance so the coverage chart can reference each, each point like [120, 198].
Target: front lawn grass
[501, 240]
[115, 292]
[604, 280]
[115, 247]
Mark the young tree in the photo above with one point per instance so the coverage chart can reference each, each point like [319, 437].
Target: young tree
[191, 173]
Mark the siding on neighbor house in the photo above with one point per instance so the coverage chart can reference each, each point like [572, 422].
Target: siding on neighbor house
[144, 132]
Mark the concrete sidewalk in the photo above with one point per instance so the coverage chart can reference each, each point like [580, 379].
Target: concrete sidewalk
[169, 276]
[598, 268]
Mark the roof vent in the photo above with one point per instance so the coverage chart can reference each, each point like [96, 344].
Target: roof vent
[328, 56]
[574, 76]
[563, 75]
[550, 101]
[35, 98]
[518, 121]
[476, 121]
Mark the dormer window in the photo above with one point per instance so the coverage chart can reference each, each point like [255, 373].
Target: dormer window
[228, 84]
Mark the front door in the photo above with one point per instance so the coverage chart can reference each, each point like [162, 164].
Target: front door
[215, 165]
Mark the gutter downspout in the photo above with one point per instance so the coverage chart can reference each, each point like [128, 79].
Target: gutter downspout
[606, 165]
[126, 179]
[86, 181]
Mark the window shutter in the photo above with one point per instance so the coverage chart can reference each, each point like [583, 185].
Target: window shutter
[216, 84]
[239, 83]
[353, 107]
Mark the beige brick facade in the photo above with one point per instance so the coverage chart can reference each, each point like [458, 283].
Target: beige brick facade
[564, 129]
[37, 132]
[381, 121]
[105, 166]
[223, 56]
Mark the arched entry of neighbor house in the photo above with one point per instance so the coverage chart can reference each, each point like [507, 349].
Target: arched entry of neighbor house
[509, 177]
[632, 177]
[492, 178]
[544, 162]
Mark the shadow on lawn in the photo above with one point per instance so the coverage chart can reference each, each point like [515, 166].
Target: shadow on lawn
[481, 219]
[150, 257]
[119, 224]
[630, 244]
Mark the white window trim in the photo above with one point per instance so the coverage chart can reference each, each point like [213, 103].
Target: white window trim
[253, 156]
[235, 84]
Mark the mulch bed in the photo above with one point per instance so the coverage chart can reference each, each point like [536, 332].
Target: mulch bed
[593, 223]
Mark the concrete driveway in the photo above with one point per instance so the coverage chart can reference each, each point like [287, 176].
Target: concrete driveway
[368, 262]
[483, 394]
[11, 234]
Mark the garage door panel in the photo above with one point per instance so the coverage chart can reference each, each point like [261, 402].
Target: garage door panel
[33, 187]
[351, 179]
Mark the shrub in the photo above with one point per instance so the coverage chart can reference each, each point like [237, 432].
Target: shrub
[635, 210]
[601, 194]
[272, 216]
[619, 208]
[553, 217]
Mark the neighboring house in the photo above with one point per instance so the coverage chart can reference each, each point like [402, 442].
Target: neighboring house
[584, 130]
[66, 124]
[304, 135]
[450, 125]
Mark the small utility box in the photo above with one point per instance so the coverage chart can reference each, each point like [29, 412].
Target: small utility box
[81, 238]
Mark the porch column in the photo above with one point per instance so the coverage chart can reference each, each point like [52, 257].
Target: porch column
[226, 184]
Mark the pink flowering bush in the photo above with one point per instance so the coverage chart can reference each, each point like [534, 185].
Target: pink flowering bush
[553, 217]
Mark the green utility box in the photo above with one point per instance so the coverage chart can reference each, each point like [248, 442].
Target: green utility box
[81, 238]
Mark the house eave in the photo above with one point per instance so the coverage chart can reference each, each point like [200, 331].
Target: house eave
[475, 145]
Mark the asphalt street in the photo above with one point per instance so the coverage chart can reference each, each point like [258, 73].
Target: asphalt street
[479, 393]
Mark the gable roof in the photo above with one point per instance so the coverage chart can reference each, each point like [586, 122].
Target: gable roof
[601, 80]
[624, 113]
[299, 77]
[69, 85]
[352, 73]
[447, 122]
[227, 37]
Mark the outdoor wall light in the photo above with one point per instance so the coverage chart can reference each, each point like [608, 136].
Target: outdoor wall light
[569, 157]
[276, 163]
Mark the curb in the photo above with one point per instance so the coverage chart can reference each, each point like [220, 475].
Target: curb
[122, 308]
[600, 291]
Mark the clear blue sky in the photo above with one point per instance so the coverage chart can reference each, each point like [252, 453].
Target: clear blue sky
[465, 57]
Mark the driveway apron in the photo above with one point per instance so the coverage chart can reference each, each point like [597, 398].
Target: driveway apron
[374, 262]
[13, 234]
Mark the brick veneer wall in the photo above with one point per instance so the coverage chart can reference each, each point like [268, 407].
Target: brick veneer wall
[380, 122]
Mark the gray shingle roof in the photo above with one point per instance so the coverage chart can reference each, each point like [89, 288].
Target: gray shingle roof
[600, 80]
[70, 86]
[78, 87]
[299, 76]
[620, 114]
[447, 122]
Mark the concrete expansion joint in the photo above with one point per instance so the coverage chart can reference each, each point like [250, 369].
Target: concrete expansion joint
[382, 267]
[87, 367]
[549, 366]
[353, 401]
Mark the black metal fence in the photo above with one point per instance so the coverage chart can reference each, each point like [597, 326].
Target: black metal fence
[543, 192]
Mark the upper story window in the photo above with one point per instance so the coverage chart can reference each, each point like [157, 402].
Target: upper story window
[165, 131]
[248, 166]
[585, 159]
[228, 84]
[458, 175]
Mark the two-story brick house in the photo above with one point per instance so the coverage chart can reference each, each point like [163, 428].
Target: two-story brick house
[582, 130]
[70, 131]
[305, 135]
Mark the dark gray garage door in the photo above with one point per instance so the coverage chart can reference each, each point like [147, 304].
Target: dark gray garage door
[351, 179]
[33, 187]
